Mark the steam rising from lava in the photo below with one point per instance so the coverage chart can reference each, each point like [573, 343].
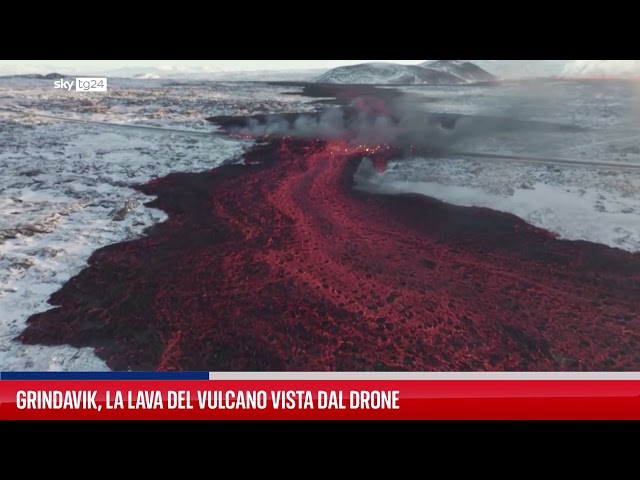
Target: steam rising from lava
[366, 123]
[402, 123]
[331, 124]
[603, 68]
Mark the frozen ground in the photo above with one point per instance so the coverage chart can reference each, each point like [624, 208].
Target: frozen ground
[596, 204]
[65, 188]
[576, 203]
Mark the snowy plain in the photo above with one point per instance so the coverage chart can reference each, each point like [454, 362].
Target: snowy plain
[585, 202]
[66, 188]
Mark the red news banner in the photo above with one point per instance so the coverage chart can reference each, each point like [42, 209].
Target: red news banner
[320, 399]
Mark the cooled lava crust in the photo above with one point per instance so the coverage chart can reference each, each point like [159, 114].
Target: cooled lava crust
[280, 264]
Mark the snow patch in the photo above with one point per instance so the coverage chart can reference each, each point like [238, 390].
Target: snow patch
[67, 187]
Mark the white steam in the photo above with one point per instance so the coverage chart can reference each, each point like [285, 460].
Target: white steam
[328, 125]
[403, 124]
[618, 68]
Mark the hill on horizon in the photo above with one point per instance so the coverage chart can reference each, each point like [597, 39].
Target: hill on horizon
[439, 72]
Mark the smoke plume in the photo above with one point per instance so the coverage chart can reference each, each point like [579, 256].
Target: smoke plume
[330, 124]
[614, 68]
[403, 123]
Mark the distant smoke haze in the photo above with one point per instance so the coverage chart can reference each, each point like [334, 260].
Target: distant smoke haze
[401, 122]
[618, 68]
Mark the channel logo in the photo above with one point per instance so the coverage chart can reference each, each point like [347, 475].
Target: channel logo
[82, 85]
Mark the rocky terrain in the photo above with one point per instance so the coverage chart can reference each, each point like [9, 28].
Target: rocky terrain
[441, 72]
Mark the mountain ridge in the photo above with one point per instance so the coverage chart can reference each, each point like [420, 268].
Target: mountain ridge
[439, 72]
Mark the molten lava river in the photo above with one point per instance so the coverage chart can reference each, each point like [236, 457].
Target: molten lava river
[280, 264]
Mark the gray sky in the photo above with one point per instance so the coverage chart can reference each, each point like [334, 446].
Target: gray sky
[105, 65]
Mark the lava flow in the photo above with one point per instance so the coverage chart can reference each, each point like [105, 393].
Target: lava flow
[280, 264]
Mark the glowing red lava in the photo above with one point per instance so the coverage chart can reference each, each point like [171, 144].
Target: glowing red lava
[280, 264]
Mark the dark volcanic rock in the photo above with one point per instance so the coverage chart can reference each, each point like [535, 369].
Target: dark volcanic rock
[37, 76]
[53, 76]
[468, 71]
[389, 74]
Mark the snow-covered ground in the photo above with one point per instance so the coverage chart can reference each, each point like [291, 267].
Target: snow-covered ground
[390, 74]
[592, 203]
[65, 188]
[576, 203]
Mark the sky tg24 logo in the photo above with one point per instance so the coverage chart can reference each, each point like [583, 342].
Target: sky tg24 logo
[82, 85]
